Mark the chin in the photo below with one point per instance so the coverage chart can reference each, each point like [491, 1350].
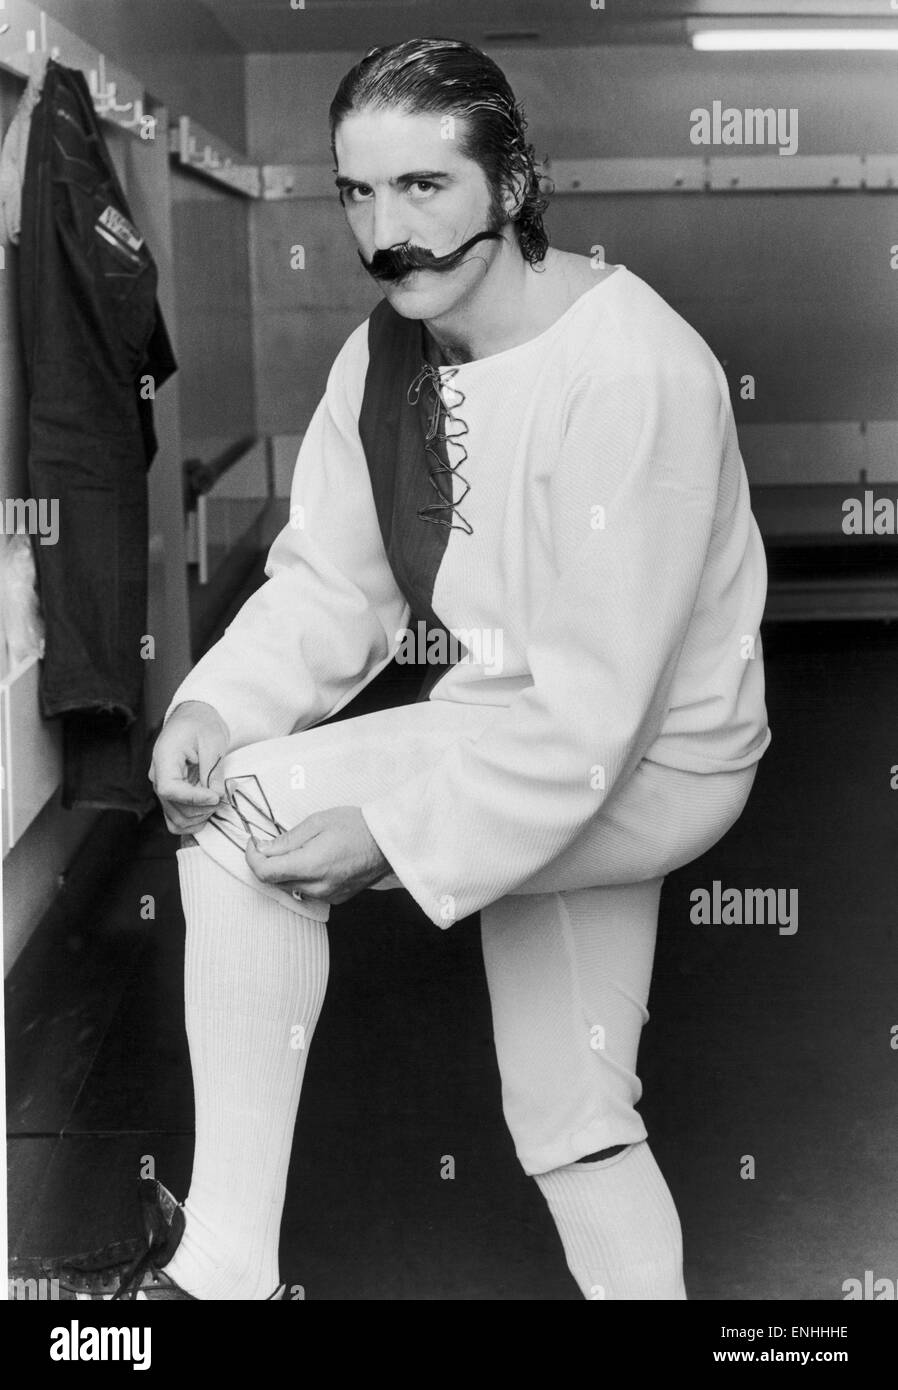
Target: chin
[422, 294]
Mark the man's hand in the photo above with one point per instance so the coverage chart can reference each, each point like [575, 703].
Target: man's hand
[185, 771]
[330, 855]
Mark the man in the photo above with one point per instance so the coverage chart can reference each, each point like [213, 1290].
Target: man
[517, 443]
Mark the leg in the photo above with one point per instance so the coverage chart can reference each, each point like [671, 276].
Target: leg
[569, 975]
[255, 976]
[351, 761]
[619, 1226]
[661, 819]
[338, 764]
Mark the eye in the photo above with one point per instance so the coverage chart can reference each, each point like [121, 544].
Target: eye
[424, 183]
[359, 193]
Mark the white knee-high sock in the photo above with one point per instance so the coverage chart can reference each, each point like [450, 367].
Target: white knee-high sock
[255, 975]
[618, 1225]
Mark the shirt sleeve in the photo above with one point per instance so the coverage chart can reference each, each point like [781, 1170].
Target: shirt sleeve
[633, 500]
[325, 622]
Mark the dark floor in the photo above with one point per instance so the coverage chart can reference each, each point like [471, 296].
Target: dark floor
[761, 1044]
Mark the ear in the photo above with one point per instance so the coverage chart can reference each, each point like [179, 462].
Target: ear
[513, 196]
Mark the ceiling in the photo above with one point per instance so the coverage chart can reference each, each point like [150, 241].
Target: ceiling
[273, 26]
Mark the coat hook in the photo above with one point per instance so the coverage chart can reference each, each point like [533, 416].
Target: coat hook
[137, 119]
[112, 104]
[99, 90]
[104, 93]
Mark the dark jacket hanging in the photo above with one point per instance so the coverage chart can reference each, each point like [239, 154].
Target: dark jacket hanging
[93, 335]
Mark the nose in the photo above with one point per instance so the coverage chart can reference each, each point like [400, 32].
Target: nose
[389, 227]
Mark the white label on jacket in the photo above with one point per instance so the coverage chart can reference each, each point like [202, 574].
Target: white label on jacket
[121, 228]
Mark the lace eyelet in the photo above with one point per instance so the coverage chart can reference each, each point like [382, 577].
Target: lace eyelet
[440, 411]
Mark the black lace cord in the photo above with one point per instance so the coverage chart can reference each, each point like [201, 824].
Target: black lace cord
[431, 377]
[132, 1277]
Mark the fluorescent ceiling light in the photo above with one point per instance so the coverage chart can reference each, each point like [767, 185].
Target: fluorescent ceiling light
[716, 40]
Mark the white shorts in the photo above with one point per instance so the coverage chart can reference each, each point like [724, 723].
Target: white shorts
[569, 956]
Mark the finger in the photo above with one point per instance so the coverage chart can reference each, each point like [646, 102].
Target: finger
[182, 770]
[279, 870]
[180, 825]
[190, 816]
[311, 889]
[186, 818]
[263, 868]
[181, 794]
[297, 837]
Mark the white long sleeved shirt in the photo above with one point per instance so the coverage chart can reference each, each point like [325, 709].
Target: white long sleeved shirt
[613, 551]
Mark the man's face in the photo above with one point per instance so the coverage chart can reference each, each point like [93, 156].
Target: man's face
[404, 184]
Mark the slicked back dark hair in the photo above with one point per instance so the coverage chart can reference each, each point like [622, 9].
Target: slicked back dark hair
[452, 78]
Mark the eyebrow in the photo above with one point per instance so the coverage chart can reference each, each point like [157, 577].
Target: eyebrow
[342, 182]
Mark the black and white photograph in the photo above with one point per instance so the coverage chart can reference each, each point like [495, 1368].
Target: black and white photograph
[448, 597]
